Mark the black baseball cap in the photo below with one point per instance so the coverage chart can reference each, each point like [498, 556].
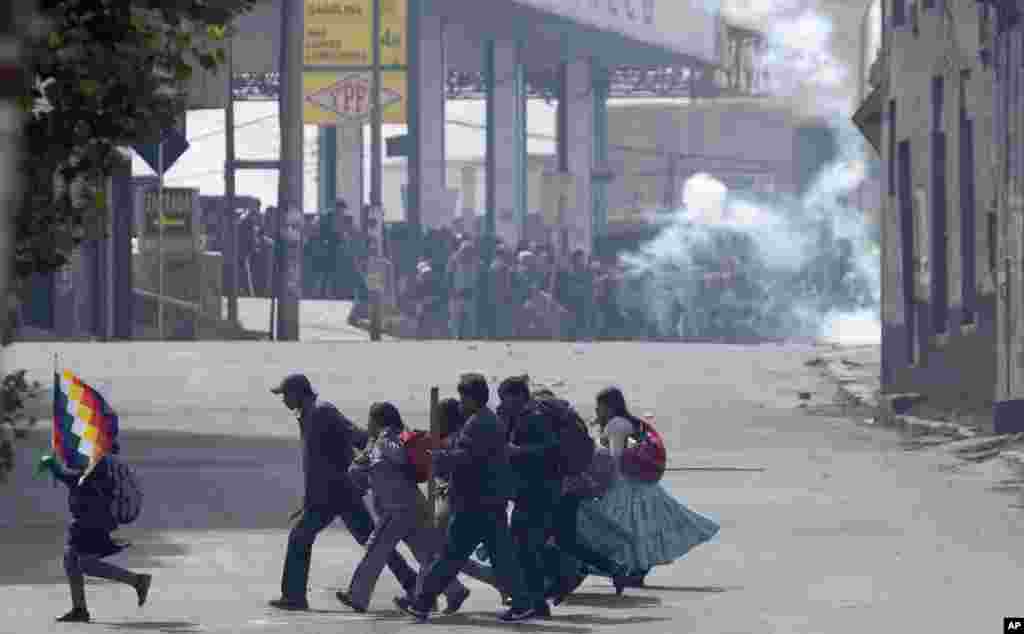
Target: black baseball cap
[295, 383]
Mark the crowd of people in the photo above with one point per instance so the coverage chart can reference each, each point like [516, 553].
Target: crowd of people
[603, 519]
[448, 282]
[485, 459]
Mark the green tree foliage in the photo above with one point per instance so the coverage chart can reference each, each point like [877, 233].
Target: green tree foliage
[104, 74]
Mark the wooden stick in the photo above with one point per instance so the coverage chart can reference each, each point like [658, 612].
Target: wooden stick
[435, 441]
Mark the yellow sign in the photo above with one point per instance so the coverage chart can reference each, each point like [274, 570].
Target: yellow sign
[317, 111]
[339, 32]
[393, 16]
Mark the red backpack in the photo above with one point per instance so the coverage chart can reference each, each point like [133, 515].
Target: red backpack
[417, 443]
[645, 460]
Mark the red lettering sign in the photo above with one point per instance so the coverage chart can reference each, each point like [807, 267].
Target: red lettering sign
[353, 98]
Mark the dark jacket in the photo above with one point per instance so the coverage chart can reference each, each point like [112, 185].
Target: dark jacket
[90, 501]
[477, 463]
[329, 442]
[536, 465]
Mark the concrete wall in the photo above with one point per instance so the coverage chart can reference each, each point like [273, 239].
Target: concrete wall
[954, 369]
[644, 136]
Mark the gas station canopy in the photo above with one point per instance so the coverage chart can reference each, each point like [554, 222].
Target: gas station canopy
[613, 32]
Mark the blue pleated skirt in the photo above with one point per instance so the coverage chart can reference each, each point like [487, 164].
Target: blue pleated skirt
[640, 525]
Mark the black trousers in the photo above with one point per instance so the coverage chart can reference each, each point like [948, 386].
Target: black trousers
[467, 529]
[532, 521]
[295, 578]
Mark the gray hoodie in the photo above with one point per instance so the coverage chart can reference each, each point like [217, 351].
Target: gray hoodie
[388, 474]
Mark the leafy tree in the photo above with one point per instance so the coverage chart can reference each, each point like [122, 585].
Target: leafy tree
[103, 74]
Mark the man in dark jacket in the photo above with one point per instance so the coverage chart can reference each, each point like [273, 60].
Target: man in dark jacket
[478, 467]
[89, 540]
[329, 442]
[533, 450]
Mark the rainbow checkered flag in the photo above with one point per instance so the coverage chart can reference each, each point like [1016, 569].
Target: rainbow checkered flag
[84, 426]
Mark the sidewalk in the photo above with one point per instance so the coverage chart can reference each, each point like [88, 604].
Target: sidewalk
[856, 371]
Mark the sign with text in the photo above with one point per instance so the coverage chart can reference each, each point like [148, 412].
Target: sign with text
[339, 32]
[349, 98]
[328, 96]
[177, 213]
[684, 27]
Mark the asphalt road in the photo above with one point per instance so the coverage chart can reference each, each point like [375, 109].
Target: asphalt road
[834, 529]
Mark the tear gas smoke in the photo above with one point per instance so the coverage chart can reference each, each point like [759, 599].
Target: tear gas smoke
[742, 264]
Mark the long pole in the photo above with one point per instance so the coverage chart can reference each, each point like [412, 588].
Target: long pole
[376, 170]
[435, 441]
[160, 238]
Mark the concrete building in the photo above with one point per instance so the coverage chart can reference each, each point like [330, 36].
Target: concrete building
[1002, 46]
[930, 115]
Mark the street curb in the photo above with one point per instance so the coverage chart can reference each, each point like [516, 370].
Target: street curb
[858, 389]
[965, 442]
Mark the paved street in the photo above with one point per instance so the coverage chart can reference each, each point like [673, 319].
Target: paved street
[319, 320]
[841, 531]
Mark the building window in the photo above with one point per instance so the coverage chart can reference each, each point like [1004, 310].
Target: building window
[906, 207]
[939, 277]
[899, 13]
[939, 238]
[993, 236]
[892, 147]
[968, 284]
[967, 211]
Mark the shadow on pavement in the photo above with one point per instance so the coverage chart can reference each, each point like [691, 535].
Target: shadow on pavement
[171, 627]
[490, 620]
[595, 620]
[706, 589]
[190, 482]
[37, 558]
[605, 600]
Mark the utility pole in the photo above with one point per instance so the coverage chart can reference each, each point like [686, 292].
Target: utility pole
[290, 199]
[376, 175]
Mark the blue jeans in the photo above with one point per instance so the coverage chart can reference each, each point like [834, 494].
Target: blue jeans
[467, 529]
[295, 579]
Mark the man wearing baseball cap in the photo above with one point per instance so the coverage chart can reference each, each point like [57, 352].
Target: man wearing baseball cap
[329, 443]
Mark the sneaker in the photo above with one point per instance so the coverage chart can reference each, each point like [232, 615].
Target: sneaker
[142, 588]
[285, 603]
[516, 615]
[407, 605]
[454, 605]
[346, 598]
[76, 615]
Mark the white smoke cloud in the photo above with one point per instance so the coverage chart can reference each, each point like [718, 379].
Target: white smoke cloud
[794, 239]
[704, 198]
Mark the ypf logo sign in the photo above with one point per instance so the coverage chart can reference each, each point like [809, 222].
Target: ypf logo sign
[350, 97]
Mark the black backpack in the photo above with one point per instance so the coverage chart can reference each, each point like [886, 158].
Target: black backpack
[575, 444]
[126, 494]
